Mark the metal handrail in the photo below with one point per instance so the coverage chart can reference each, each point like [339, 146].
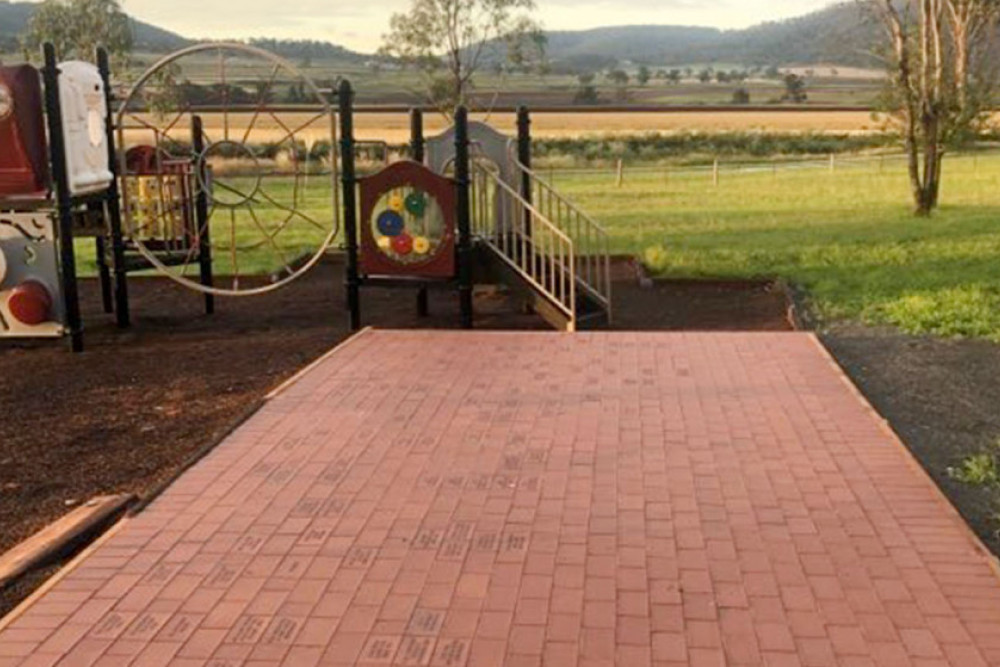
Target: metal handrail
[526, 239]
[589, 236]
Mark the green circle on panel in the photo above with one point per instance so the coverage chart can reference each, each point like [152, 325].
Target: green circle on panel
[416, 203]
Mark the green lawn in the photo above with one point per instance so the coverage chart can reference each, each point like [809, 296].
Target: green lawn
[847, 237]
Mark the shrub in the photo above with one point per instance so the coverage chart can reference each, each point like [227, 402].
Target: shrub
[980, 469]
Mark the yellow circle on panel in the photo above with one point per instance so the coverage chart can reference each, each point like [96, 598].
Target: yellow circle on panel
[397, 203]
[421, 245]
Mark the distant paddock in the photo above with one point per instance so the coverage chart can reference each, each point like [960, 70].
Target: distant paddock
[394, 127]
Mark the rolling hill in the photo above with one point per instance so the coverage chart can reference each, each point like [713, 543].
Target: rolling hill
[837, 35]
[14, 17]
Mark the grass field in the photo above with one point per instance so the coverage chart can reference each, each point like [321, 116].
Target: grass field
[848, 237]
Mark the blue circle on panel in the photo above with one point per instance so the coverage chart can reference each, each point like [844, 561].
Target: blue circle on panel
[390, 223]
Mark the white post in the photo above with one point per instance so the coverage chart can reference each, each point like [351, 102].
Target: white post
[310, 144]
[715, 172]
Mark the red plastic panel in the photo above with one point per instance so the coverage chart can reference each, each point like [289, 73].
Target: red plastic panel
[408, 223]
[24, 167]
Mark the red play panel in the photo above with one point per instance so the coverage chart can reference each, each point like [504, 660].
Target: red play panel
[539, 499]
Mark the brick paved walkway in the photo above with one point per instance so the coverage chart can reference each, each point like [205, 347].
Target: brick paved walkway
[526, 499]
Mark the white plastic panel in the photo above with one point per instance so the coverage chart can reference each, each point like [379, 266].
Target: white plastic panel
[84, 116]
[485, 142]
[28, 253]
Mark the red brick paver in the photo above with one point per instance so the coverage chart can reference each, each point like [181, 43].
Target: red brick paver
[539, 499]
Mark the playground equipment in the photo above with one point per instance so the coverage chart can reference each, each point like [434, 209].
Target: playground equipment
[510, 226]
[214, 198]
[44, 200]
[408, 222]
[414, 223]
[201, 176]
[206, 208]
[84, 114]
[24, 168]
[30, 290]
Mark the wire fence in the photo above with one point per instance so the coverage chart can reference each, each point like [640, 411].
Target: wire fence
[719, 169]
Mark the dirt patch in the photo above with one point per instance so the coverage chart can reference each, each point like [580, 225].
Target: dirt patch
[698, 305]
[940, 396]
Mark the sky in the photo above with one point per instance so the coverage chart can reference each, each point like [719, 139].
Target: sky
[359, 24]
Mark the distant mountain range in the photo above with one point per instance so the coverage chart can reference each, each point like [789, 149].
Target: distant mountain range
[837, 35]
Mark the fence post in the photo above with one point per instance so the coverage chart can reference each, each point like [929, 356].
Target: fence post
[621, 173]
[715, 172]
[833, 163]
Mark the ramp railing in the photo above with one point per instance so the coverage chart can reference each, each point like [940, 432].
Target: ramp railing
[525, 239]
[590, 238]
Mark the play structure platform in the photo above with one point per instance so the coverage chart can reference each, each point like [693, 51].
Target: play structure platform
[462, 498]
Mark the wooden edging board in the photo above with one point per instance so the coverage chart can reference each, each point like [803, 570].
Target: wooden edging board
[61, 536]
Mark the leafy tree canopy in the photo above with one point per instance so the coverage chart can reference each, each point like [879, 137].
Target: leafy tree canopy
[77, 27]
[450, 41]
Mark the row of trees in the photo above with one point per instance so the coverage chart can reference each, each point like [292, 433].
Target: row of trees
[588, 94]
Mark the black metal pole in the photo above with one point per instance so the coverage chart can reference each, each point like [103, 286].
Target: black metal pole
[524, 157]
[64, 200]
[113, 202]
[104, 272]
[348, 179]
[202, 223]
[417, 135]
[417, 154]
[464, 245]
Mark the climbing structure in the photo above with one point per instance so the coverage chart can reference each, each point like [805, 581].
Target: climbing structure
[518, 230]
